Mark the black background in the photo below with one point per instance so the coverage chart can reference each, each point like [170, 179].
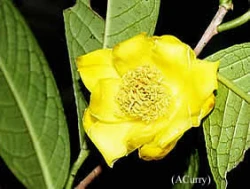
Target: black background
[187, 20]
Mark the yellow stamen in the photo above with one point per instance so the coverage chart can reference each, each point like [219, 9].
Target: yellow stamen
[142, 94]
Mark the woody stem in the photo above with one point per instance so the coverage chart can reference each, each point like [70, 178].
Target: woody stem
[211, 29]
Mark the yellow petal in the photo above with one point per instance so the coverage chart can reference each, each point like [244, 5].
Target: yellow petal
[208, 106]
[173, 53]
[203, 83]
[154, 152]
[110, 139]
[132, 53]
[103, 103]
[169, 134]
[196, 79]
[95, 66]
[205, 110]
[139, 135]
[173, 58]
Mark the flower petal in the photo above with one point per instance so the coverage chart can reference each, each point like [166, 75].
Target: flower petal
[173, 53]
[95, 66]
[196, 79]
[154, 152]
[109, 138]
[132, 53]
[103, 102]
[169, 134]
[203, 83]
[139, 135]
[173, 58]
[106, 137]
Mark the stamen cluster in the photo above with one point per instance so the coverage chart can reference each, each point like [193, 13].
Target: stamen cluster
[142, 94]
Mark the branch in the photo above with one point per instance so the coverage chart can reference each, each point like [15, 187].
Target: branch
[90, 177]
[211, 30]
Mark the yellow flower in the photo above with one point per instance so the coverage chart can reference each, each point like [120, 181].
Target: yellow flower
[145, 93]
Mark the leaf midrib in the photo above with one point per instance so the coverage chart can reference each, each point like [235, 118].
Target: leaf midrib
[230, 85]
[107, 25]
[29, 124]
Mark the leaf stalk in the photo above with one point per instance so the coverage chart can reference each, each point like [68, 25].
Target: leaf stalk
[234, 23]
[81, 158]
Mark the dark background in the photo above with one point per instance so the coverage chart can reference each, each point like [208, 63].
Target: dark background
[185, 19]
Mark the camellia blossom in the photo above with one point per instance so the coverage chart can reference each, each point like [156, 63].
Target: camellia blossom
[145, 93]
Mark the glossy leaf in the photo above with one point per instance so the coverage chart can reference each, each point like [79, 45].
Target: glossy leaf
[34, 141]
[226, 130]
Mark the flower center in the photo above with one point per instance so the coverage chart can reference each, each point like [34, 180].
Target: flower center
[142, 94]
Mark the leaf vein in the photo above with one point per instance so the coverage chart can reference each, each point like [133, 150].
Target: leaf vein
[126, 10]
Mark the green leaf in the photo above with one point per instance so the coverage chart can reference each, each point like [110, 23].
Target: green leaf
[192, 171]
[34, 141]
[127, 18]
[226, 130]
[84, 33]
